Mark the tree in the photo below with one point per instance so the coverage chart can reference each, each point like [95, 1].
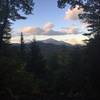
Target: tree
[22, 49]
[14, 80]
[36, 63]
[91, 13]
[10, 10]
[7, 33]
[4, 47]
[92, 63]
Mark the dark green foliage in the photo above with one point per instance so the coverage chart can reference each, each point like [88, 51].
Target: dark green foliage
[10, 10]
[13, 77]
[71, 72]
[90, 54]
[92, 64]
[36, 64]
[7, 33]
[22, 48]
[91, 13]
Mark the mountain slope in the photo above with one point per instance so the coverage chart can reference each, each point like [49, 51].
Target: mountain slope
[53, 41]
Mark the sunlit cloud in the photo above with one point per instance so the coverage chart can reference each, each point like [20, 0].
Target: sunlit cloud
[47, 29]
[70, 30]
[73, 14]
[48, 26]
[28, 29]
[76, 39]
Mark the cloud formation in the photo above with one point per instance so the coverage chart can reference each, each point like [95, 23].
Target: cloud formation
[40, 31]
[28, 29]
[48, 26]
[47, 29]
[70, 30]
[73, 14]
[76, 39]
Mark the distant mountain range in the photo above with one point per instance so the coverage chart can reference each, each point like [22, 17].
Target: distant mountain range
[53, 41]
[48, 47]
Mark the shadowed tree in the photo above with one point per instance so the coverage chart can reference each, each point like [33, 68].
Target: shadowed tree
[22, 48]
[92, 63]
[91, 14]
[10, 10]
[4, 48]
[36, 64]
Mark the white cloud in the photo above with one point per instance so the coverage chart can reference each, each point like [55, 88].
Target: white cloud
[76, 39]
[72, 14]
[48, 26]
[70, 30]
[40, 31]
[28, 29]
[47, 29]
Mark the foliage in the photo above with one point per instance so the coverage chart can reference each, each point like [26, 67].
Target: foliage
[12, 10]
[91, 14]
[36, 64]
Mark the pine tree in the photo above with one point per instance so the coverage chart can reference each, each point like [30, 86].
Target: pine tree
[10, 9]
[22, 49]
[7, 33]
[36, 64]
[5, 44]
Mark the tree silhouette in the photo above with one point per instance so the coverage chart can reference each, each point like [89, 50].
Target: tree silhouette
[10, 9]
[36, 64]
[22, 48]
[92, 64]
[91, 13]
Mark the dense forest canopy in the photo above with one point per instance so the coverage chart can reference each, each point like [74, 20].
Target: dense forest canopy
[37, 70]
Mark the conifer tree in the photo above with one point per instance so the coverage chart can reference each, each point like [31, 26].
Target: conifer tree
[10, 9]
[36, 64]
[5, 44]
[22, 46]
[91, 13]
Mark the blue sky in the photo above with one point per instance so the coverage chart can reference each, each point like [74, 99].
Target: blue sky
[44, 11]
[48, 17]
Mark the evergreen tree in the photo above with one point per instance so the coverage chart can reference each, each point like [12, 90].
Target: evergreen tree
[10, 9]
[4, 47]
[91, 13]
[91, 58]
[7, 33]
[36, 64]
[92, 63]
[22, 47]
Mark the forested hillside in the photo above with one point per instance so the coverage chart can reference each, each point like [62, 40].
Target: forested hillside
[46, 71]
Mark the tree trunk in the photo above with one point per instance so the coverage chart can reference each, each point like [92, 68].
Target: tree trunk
[4, 23]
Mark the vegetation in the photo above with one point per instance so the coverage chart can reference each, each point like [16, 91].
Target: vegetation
[72, 72]
[91, 13]
[10, 10]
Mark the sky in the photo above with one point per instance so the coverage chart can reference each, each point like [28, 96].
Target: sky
[49, 21]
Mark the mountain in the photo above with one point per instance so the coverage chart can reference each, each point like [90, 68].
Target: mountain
[55, 42]
[48, 47]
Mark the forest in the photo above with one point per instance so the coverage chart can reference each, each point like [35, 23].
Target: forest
[33, 72]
